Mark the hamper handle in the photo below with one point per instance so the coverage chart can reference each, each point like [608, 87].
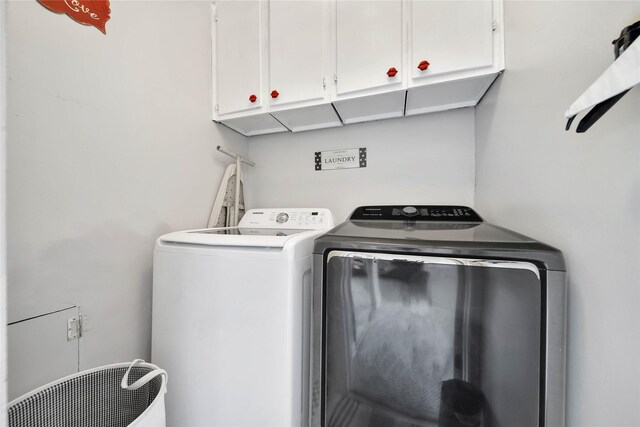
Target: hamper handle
[144, 379]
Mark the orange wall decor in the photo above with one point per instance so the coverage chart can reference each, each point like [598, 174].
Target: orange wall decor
[86, 12]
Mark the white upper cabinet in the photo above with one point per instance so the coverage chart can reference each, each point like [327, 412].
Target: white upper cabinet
[297, 33]
[455, 52]
[294, 65]
[368, 47]
[238, 60]
[449, 36]
[270, 65]
[298, 65]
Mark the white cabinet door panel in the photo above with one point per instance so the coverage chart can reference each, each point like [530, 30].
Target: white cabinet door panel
[238, 56]
[451, 36]
[368, 44]
[296, 35]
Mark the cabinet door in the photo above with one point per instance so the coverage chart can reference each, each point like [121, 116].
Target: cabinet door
[296, 60]
[451, 36]
[368, 45]
[39, 352]
[238, 56]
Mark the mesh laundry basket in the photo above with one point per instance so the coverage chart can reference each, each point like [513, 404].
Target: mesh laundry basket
[100, 397]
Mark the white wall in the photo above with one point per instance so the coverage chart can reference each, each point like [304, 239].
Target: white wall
[425, 159]
[578, 192]
[110, 144]
[3, 260]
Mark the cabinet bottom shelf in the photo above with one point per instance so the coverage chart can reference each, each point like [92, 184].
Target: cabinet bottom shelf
[407, 102]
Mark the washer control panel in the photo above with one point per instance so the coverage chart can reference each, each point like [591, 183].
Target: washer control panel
[294, 218]
[441, 213]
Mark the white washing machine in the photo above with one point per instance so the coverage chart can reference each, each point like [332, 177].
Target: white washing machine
[231, 319]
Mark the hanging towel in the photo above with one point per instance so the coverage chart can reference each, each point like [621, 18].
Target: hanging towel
[621, 76]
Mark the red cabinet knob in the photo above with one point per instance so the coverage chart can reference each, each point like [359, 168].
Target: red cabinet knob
[274, 94]
[423, 65]
[253, 98]
[392, 72]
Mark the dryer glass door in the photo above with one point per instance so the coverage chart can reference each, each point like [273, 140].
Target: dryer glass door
[431, 341]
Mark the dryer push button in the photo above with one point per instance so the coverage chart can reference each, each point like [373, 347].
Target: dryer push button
[409, 211]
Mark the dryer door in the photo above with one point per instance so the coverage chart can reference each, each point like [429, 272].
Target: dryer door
[431, 341]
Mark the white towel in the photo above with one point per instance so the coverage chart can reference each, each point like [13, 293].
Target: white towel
[622, 75]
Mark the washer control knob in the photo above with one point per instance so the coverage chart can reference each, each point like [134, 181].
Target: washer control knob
[409, 211]
[282, 218]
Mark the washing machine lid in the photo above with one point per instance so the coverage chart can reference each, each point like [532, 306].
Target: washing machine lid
[265, 228]
[236, 236]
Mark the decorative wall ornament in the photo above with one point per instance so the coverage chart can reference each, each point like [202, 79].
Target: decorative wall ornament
[86, 12]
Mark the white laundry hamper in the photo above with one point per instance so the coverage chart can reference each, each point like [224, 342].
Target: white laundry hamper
[118, 395]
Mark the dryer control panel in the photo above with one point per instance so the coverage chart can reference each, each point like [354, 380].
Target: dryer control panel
[441, 213]
[284, 218]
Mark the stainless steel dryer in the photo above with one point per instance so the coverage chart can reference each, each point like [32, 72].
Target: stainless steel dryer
[429, 316]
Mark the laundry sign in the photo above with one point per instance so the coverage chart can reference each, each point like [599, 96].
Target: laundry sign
[341, 159]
